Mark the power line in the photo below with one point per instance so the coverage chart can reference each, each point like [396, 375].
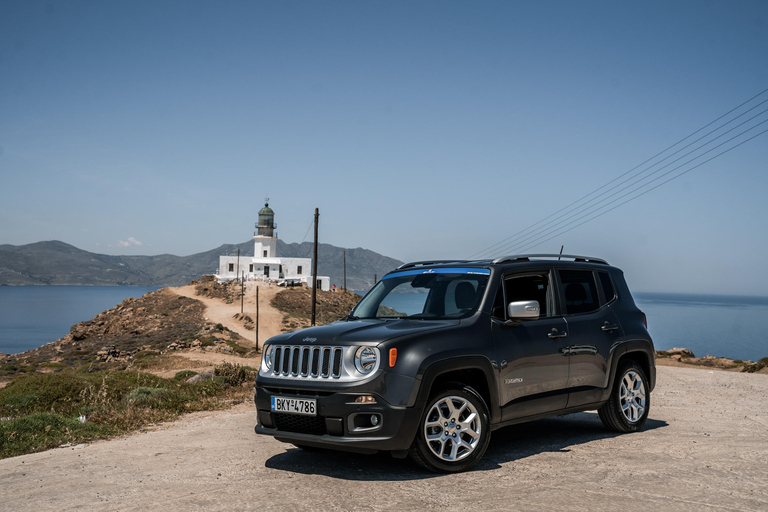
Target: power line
[647, 191]
[531, 231]
[583, 208]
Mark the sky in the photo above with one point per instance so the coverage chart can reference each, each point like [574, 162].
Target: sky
[421, 130]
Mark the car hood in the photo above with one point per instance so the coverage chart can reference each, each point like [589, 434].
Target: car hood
[368, 331]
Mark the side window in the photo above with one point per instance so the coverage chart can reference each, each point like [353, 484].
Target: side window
[605, 282]
[579, 291]
[529, 287]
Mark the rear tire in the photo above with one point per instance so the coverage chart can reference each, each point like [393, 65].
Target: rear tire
[454, 431]
[627, 408]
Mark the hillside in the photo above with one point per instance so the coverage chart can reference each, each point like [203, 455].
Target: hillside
[58, 263]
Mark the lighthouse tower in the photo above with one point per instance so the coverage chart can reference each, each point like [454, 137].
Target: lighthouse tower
[265, 239]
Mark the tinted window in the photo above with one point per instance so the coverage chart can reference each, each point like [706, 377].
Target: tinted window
[605, 282]
[579, 291]
[531, 287]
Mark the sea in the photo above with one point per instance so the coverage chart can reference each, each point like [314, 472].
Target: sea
[31, 316]
[718, 325]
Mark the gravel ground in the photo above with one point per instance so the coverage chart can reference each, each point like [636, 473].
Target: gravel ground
[705, 446]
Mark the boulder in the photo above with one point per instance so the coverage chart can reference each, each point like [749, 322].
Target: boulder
[683, 352]
[206, 375]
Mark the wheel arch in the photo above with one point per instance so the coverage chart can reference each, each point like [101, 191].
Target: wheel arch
[474, 371]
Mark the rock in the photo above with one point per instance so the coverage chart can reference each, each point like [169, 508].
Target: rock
[683, 352]
[206, 375]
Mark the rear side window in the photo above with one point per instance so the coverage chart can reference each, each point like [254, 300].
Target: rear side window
[579, 291]
[605, 282]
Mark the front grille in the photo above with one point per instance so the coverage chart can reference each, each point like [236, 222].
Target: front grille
[310, 362]
[314, 425]
[297, 392]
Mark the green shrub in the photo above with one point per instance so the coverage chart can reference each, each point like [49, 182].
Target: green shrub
[232, 374]
[42, 431]
[147, 397]
[112, 401]
[184, 375]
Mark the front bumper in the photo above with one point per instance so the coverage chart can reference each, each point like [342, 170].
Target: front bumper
[340, 423]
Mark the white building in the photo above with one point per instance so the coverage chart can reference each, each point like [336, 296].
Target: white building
[265, 265]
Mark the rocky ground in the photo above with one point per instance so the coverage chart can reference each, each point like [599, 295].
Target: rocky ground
[129, 335]
[183, 328]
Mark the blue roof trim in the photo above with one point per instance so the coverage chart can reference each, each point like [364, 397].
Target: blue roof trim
[465, 270]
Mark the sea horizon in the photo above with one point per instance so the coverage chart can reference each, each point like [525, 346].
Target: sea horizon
[721, 325]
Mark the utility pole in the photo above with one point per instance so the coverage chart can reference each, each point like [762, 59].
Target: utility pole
[314, 269]
[242, 292]
[345, 271]
[257, 319]
[375, 278]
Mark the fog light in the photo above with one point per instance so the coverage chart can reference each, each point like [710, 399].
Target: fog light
[374, 420]
[365, 399]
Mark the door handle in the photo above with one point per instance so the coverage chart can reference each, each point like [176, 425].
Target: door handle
[556, 334]
[608, 328]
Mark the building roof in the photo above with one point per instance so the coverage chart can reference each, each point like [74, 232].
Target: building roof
[267, 261]
[266, 210]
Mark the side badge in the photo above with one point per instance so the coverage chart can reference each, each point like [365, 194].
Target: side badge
[516, 380]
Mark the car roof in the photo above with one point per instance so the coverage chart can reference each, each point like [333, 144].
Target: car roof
[508, 261]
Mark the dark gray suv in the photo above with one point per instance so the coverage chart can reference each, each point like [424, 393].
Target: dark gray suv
[439, 354]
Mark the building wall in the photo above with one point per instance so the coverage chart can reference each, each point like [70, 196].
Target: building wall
[325, 283]
[292, 268]
[261, 244]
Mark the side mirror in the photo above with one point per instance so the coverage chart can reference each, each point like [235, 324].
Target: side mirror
[523, 310]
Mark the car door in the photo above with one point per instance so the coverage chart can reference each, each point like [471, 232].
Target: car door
[532, 365]
[593, 330]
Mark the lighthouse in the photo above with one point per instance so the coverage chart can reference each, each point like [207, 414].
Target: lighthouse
[265, 238]
[266, 265]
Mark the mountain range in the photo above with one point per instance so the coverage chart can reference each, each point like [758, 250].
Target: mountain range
[58, 263]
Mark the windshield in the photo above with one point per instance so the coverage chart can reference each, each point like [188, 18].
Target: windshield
[436, 293]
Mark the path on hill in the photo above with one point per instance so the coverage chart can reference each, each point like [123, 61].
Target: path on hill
[704, 448]
[218, 311]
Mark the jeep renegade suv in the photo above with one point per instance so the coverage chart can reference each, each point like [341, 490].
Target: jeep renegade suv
[438, 354]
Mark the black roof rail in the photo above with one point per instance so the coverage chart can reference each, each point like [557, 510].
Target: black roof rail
[527, 257]
[428, 262]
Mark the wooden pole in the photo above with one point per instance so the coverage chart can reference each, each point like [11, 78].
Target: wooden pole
[242, 292]
[314, 268]
[345, 270]
[257, 319]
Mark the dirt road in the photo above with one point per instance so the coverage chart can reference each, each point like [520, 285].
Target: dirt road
[704, 448]
[217, 311]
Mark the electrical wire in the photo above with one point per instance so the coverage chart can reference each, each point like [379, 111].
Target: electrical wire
[525, 235]
[647, 191]
[581, 209]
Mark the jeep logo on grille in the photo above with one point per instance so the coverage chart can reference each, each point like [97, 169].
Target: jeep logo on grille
[311, 340]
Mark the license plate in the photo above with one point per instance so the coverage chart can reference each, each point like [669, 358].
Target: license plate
[304, 406]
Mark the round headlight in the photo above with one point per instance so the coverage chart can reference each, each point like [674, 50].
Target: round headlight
[365, 359]
[267, 355]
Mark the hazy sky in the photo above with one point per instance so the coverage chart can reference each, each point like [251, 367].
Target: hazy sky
[420, 129]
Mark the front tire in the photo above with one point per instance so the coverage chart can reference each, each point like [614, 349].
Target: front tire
[627, 408]
[454, 431]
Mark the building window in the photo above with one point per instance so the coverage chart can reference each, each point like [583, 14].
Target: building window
[250, 268]
[231, 267]
[265, 254]
[298, 270]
